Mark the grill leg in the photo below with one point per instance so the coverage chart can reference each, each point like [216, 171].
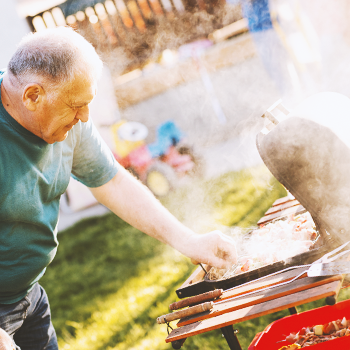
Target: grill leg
[230, 336]
[178, 343]
[293, 310]
[331, 300]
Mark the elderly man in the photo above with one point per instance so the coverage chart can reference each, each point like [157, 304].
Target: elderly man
[45, 92]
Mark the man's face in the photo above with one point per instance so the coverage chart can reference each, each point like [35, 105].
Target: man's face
[57, 115]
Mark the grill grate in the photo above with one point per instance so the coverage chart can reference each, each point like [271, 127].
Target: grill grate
[288, 205]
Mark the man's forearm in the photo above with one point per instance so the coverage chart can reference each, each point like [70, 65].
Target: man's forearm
[133, 202]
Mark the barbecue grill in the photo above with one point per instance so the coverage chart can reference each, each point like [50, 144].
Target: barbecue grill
[313, 163]
[311, 158]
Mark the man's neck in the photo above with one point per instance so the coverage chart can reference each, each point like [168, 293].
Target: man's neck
[10, 98]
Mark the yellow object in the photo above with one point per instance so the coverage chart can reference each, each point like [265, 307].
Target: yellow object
[123, 147]
[158, 183]
[318, 330]
[290, 347]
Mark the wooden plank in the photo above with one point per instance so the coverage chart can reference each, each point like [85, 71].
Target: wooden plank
[331, 300]
[260, 297]
[254, 311]
[229, 31]
[283, 200]
[196, 276]
[262, 283]
[282, 206]
[279, 215]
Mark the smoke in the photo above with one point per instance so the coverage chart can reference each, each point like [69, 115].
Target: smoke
[222, 202]
[239, 81]
[160, 32]
[310, 42]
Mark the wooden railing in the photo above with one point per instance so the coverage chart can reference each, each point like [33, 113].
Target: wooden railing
[142, 28]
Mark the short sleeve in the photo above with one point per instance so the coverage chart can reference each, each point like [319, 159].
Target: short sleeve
[93, 162]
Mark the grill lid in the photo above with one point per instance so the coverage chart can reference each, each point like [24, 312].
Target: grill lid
[309, 153]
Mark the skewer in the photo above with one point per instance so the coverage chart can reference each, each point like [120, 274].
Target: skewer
[195, 262]
[203, 268]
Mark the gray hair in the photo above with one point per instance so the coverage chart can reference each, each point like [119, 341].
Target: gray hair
[57, 55]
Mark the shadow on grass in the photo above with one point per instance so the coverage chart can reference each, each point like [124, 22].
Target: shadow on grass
[145, 318]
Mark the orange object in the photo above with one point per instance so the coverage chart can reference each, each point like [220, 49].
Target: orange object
[135, 12]
[145, 8]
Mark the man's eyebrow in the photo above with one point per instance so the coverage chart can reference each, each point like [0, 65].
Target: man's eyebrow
[82, 104]
[75, 104]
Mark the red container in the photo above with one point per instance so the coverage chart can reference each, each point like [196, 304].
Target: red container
[279, 329]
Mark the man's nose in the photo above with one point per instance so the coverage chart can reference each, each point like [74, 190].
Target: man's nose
[83, 114]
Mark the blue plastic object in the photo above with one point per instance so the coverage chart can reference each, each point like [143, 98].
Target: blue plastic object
[168, 134]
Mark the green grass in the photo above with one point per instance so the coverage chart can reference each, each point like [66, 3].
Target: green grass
[109, 282]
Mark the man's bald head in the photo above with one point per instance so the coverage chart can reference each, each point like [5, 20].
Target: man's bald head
[56, 55]
[5, 341]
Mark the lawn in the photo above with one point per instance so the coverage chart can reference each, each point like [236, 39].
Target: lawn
[109, 282]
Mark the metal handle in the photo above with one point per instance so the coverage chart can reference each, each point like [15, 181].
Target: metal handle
[196, 299]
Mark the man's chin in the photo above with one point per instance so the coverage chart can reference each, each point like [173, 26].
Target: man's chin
[56, 138]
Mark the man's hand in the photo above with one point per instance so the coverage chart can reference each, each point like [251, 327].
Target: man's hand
[213, 248]
[5, 341]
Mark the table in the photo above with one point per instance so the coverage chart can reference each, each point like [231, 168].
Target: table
[227, 312]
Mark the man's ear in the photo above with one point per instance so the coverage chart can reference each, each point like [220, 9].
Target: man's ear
[32, 95]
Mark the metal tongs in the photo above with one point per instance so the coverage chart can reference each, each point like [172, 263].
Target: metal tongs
[325, 266]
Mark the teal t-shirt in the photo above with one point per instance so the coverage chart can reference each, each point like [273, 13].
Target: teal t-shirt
[33, 176]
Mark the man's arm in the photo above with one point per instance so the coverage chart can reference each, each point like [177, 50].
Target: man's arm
[133, 202]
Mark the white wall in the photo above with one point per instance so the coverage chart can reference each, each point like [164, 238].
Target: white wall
[12, 29]
[104, 109]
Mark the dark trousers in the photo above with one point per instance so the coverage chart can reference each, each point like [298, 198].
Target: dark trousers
[28, 322]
